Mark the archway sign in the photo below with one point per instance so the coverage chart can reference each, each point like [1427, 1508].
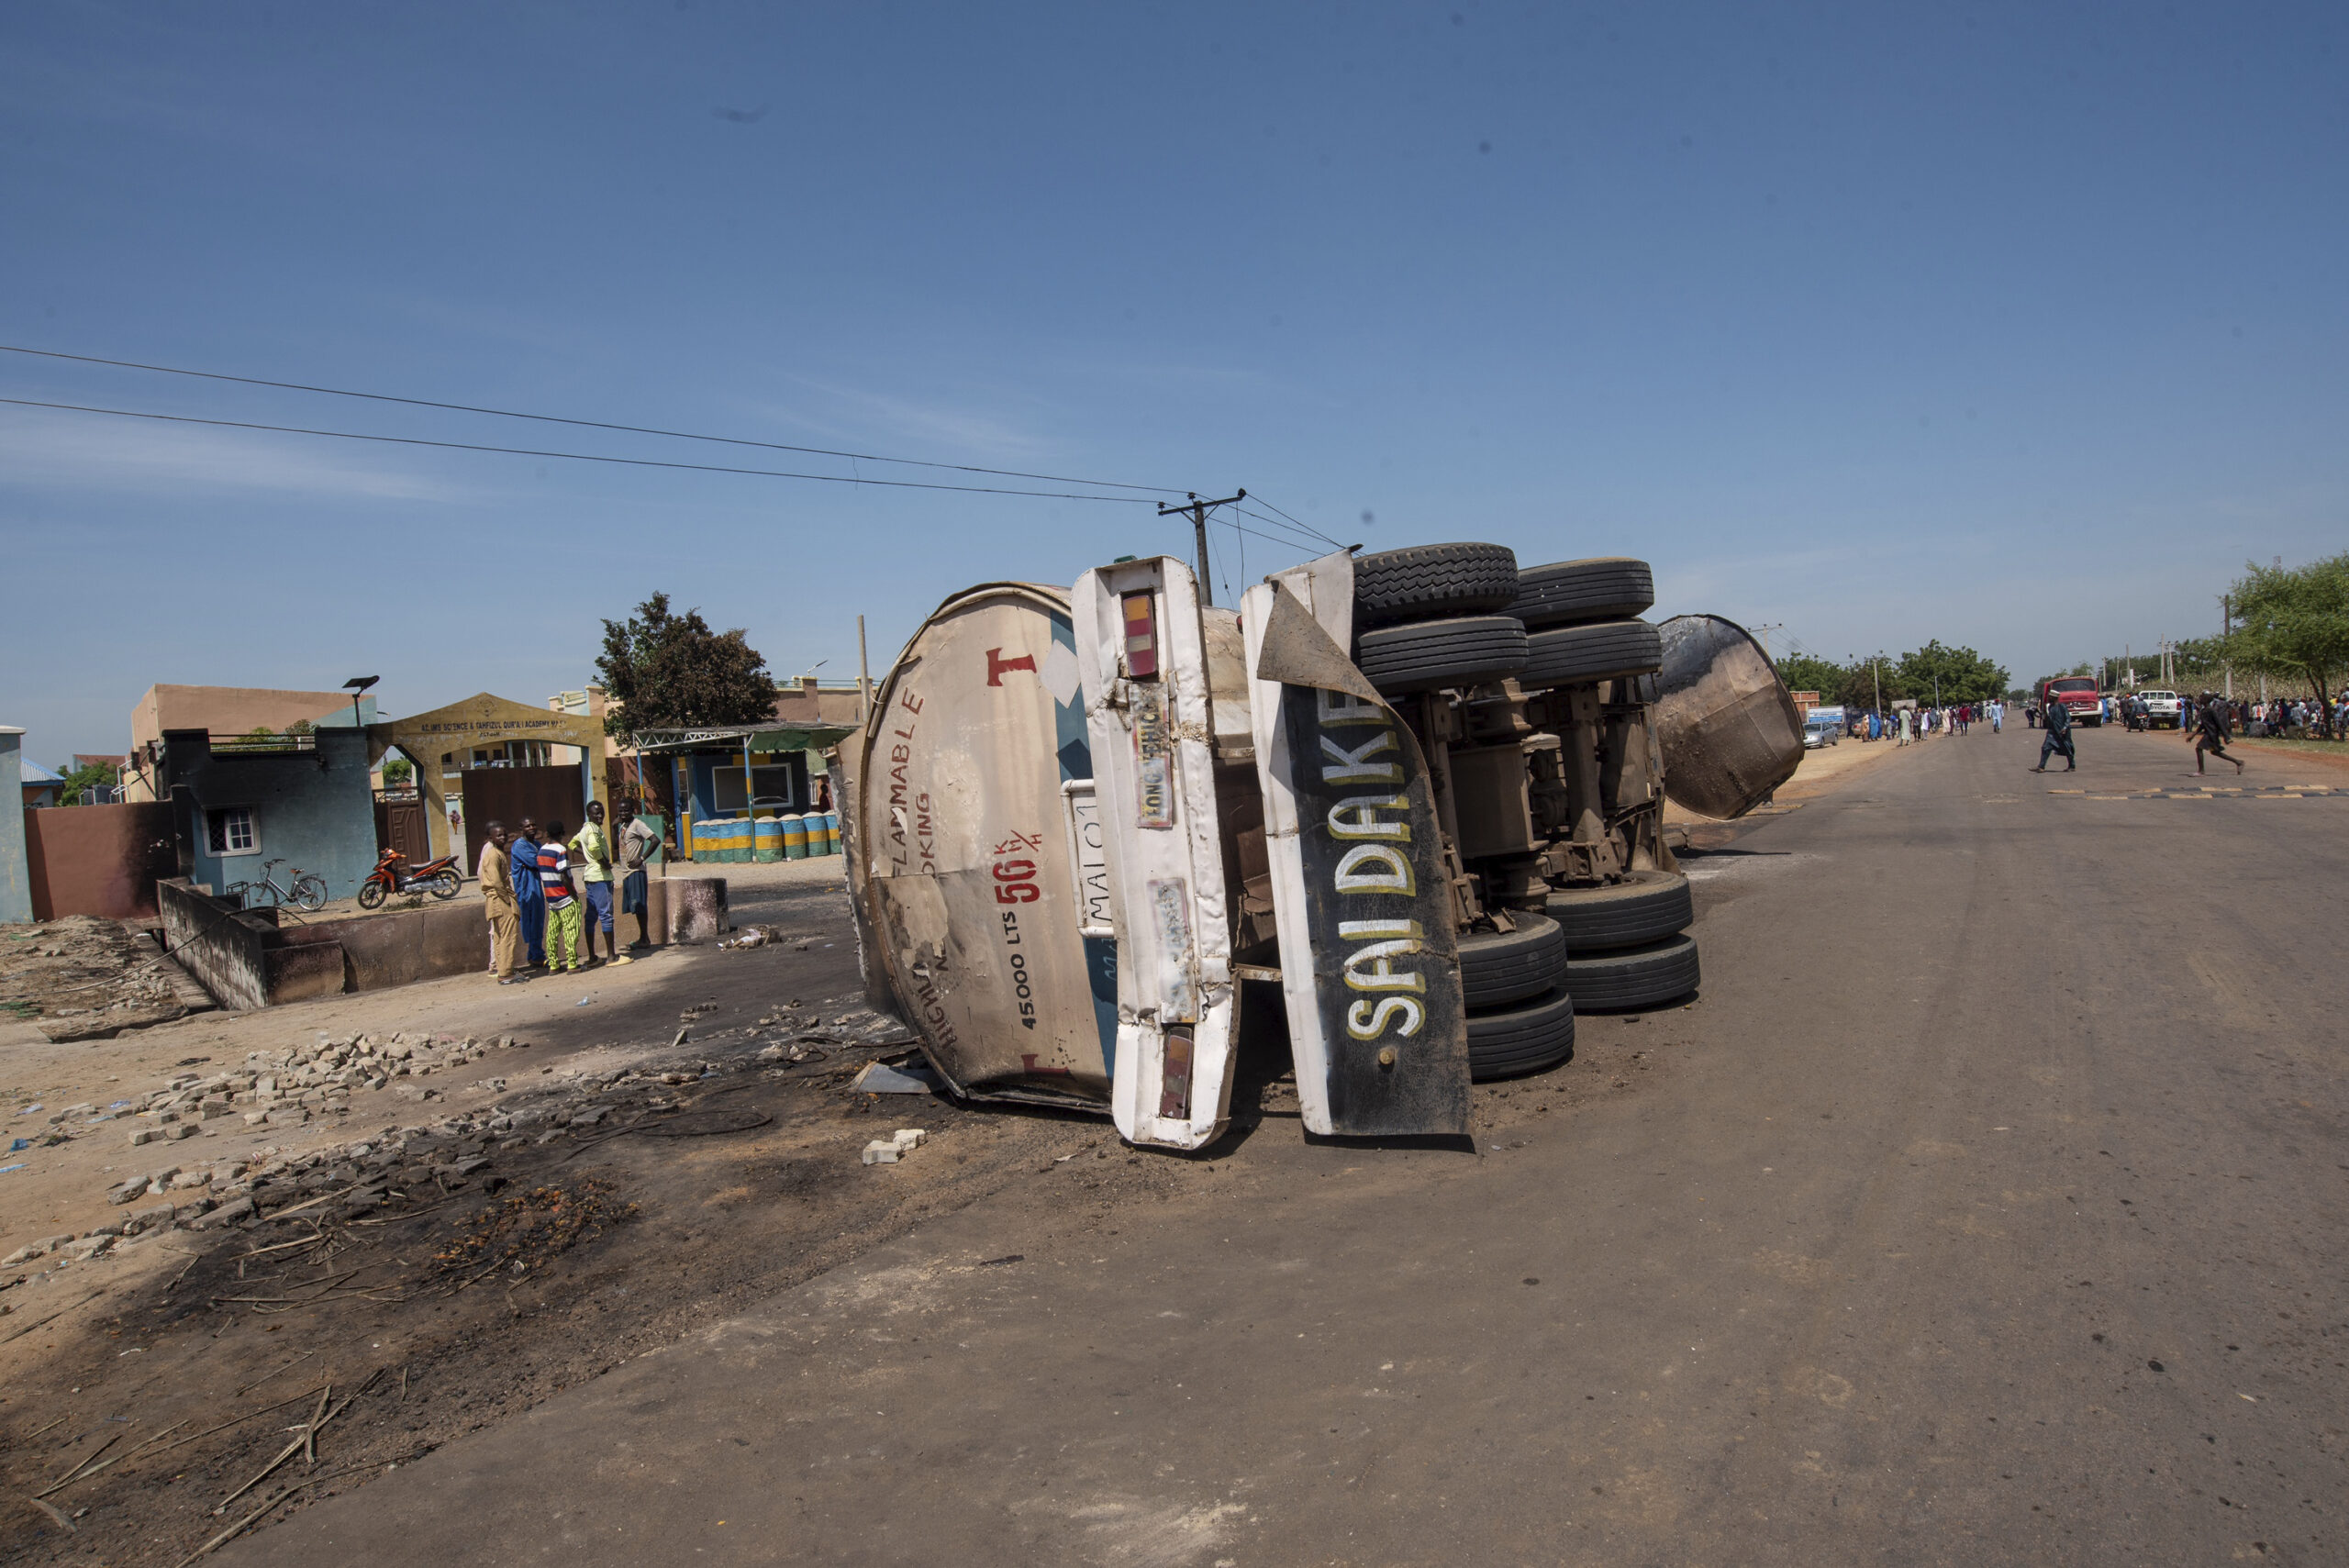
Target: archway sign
[482, 720]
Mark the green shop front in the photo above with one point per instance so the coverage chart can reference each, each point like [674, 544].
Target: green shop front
[748, 792]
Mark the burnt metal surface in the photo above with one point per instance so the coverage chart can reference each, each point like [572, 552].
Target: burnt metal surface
[1730, 732]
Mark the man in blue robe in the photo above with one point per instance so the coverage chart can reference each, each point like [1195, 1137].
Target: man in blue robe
[530, 893]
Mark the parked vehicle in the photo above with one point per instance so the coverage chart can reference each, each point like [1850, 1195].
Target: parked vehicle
[2162, 708]
[1820, 733]
[304, 890]
[442, 878]
[2078, 694]
[1411, 803]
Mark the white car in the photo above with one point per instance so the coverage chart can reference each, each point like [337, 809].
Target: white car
[2162, 708]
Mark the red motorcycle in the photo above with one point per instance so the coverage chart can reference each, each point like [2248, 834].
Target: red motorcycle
[441, 878]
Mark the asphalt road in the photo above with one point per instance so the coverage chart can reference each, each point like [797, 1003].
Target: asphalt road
[1987, 1209]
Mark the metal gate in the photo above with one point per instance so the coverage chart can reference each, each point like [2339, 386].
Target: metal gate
[400, 825]
[508, 795]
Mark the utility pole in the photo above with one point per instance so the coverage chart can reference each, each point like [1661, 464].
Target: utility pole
[1764, 633]
[863, 677]
[1198, 509]
[2226, 629]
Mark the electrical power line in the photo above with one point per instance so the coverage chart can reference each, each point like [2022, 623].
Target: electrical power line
[1306, 527]
[583, 424]
[1307, 541]
[574, 457]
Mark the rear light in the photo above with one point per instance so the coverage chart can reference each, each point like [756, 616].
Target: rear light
[1141, 637]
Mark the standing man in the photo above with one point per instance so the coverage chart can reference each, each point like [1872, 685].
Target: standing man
[1998, 716]
[563, 905]
[497, 898]
[638, 841]
[2210, 732]
[2057, 721]
[593, 854]
[530, 896]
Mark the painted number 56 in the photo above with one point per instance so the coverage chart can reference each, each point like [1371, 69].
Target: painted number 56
[1015, 881]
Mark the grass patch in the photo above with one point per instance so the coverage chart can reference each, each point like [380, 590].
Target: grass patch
[2309, 748]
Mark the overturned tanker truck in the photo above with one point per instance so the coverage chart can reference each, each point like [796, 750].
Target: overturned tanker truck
[1417, 796]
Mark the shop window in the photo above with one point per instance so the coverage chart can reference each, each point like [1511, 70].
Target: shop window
[770, 788]
[231, 830]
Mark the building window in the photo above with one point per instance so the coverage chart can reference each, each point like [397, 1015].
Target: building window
[230, 830]
[770, 788]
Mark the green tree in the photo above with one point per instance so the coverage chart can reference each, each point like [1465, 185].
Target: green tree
[669, 671]
[1952, 675]
[89, 775]
[1802, 673]
[2292, 624]
[397, 770]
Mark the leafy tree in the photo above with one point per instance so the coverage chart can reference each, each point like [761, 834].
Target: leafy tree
[669, 671]
[1802, 673]
[89, 775]
[2293, 624]
[1953, 674]
[397, 770]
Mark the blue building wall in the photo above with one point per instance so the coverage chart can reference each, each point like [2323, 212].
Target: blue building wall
[701, 779]
[16, 872]
[315, 809]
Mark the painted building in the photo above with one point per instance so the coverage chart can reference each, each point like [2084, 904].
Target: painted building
[41, 786]
[240, 802]
[16, 876]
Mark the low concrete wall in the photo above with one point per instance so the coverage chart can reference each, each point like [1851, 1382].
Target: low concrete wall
[224, 949]
[696, 909]
[408, 945]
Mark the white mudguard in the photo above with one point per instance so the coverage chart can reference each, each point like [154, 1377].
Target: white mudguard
[1151, 733]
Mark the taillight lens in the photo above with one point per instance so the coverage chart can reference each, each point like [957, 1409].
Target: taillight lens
[1141, 637]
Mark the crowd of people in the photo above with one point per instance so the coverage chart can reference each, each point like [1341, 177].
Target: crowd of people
[1905, 725]
[547, 896]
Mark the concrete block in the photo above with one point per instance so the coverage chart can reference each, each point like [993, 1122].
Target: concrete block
[882, 1151]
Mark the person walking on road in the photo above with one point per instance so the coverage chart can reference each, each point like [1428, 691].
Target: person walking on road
[562, 905]
[496, 872]
[593, 853]
[2058, 738]
[529, 896]
[1998, 718]
[2210, 734]
[638, 841]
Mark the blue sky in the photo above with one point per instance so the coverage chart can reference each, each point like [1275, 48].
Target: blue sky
[2016, 325]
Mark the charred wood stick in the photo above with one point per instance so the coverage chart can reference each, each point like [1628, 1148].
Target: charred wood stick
[240, 1421]
[302, 1436]
[85, 1473]
[85, 1462]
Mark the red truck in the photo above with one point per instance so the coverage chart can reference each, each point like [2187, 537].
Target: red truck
[2078, 693]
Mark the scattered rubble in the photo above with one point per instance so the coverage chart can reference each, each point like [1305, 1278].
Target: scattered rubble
[889, 1151]
[599, 1093]
[84, 978]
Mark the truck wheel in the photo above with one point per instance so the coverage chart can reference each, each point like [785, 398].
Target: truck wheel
[1524, 1038]
[1396, 585]
[1500, 967]
[1571, 592]
[1635, 977]
[1601, 920]
[1467, 650]
[1601, 651]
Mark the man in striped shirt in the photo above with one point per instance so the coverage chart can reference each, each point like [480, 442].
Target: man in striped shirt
[563, 905]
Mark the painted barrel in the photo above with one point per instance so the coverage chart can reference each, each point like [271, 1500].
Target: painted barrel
[795, 837]
[737, 838]
[698, 844]
[831, 833]
[769, 839]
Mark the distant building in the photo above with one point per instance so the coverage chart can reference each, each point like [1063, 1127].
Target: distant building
[239, 802]
[41, 786]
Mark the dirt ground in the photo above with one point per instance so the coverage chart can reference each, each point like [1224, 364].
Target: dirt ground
[143, 1389]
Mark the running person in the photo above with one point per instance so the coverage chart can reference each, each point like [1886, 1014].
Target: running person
[2210, 734]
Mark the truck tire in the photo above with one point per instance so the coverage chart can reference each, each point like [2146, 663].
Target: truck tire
[1523, 1038]
[1500, 967]
[1466, 651]
[1652, 904]
[1610, 587]
[1432, 580]
[1601, 650]
[1644, 976]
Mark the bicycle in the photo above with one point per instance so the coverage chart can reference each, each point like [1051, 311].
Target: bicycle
[304, 890]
